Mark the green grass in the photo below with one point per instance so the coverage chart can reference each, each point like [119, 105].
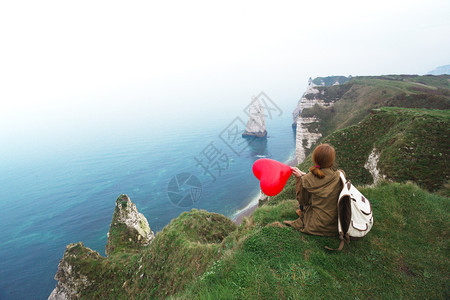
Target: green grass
[412, 146]
[404, 256]
[411, 142]
[441, 81]
[183, 250]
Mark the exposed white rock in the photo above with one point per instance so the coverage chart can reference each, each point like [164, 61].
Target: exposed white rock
[71, 283]
[371, 165]
[127, 213]
[302, 103]
[58, 294]
[138, 232]
[256, 124]
[305, 138]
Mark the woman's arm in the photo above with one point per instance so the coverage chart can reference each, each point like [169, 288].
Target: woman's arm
[302, 195]
[297, 173]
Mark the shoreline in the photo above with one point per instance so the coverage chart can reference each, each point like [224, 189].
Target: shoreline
[248, 210]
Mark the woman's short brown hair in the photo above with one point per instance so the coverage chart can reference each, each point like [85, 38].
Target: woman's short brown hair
[323, 157]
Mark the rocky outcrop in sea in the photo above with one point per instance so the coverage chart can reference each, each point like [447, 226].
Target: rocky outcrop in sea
[129, 230]
[256, 124]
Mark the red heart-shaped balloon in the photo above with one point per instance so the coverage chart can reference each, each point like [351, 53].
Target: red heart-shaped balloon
[272, 175]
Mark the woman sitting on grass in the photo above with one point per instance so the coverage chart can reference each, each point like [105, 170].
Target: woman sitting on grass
[317, 193]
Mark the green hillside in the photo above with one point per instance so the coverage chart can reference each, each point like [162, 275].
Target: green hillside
[202, 255]
[404, 256]
[411, 143]
[179, 253]
[356, 98]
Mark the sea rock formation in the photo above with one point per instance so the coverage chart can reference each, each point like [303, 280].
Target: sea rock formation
[78, 268]
[129, 228]
[71, 278]
[256, 124]
[307, 128]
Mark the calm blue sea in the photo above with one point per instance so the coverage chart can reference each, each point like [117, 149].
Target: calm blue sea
[49, 201]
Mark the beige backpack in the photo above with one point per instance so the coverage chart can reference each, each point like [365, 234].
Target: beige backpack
[355, 217]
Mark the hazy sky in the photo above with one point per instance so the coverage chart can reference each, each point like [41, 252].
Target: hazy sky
[90, 62]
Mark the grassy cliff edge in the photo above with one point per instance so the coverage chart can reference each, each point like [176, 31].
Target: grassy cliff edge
[203, 255]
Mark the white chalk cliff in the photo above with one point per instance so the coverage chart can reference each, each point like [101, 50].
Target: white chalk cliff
[307, 132]
[256, 124]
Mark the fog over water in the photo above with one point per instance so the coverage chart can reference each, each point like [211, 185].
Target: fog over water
[73, 71]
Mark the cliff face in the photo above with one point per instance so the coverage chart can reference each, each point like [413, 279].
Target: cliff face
[72, 279]
[307, 128]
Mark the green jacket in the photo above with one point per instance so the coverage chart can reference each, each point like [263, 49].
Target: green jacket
[319, 199]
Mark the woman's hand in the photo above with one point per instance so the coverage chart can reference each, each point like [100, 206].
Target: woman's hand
[296, 172]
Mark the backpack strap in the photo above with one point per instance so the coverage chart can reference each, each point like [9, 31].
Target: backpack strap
[343, 179]
[344, 240]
